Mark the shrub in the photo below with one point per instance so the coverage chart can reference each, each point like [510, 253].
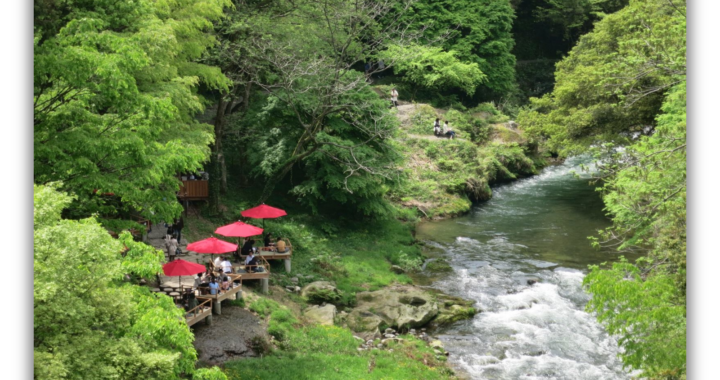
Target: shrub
[409, 263]
[213, 373]
[422, 120]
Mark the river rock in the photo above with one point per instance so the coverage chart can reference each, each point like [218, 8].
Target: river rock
[399, 306]
[532, 280]
[324, 315]
[320, 291]
[397, 269]
[453, 309]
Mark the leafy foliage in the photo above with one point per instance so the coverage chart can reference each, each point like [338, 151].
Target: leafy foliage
[476, 31]
[114, 100]
[433, 68]
[623, 85]
[88, 322]
[213, 373]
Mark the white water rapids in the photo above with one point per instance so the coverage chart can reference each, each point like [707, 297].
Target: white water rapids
[533, 229]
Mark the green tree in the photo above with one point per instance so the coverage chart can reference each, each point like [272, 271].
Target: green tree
[623, 86]
[313, 114]
[477, 31]
[88, 322]
[115, 100]
[433, 68]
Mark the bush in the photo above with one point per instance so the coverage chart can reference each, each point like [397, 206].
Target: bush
[409, 263]
[422, 120]
[213, 373]
[264, 306]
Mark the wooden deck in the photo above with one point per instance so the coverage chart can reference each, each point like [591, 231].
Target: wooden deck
[193, 190]
[199, 313]
[271, 255]
[243, 270]
[225, 294]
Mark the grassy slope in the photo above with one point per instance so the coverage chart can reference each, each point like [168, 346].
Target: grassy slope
[442, 176]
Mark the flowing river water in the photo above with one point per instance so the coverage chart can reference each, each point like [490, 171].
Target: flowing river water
[532, 229]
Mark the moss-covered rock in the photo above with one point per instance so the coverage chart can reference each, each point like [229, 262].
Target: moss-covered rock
[320, 291]
[399, 306]
[453, 309]
[438, 265]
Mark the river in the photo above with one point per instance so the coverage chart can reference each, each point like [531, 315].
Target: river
[532, 229]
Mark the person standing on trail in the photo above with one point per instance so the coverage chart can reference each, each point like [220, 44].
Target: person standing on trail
[171, 244]
[177, 228]
[436, 127]
[394, 97]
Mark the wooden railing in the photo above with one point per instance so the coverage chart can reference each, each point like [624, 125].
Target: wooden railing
[233, 277]
[197, 310]
[194, 189]
[261, 263]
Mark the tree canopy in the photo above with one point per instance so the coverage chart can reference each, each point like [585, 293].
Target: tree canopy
[115, 100]
[89, 323]
[477, 31]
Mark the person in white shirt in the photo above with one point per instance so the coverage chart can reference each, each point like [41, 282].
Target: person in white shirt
[394, 97]
[218, 262]
[227, 266]
[448, 131]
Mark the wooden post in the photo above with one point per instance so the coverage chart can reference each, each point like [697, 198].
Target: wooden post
[287, 265]
[217, 309]
[265, 285]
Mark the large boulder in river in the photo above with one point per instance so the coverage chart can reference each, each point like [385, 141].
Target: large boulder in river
[324, 315]
[453, 309]
[399, 306]
[320, 291]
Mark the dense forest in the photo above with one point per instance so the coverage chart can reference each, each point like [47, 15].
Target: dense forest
[289, 101]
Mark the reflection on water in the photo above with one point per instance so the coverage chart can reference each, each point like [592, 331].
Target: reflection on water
[537, 229]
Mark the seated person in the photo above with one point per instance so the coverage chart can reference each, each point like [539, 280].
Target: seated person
[281, 248]
[268, 240]
[225, 283]
[198, 281]
[449, 131]
[191, 301]
[214, 287]
[251, 262]
[226, 266]
[218, 262]
[247, 247]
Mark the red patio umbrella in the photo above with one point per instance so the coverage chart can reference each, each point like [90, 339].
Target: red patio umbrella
[239, 229]
[181, 267]
[263, 212]
[212, 245]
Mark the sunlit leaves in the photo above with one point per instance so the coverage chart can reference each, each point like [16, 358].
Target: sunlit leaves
[88, 322]
[115, 101]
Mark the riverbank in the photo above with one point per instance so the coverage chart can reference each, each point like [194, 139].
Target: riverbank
[442, 177]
